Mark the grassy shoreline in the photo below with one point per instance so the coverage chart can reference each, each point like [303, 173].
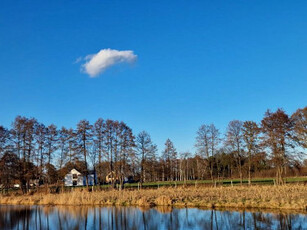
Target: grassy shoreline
[292, 197]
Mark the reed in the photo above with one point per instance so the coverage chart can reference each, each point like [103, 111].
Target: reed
[260, 196]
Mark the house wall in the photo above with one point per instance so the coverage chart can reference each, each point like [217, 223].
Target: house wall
[81, 180]
[68, 181]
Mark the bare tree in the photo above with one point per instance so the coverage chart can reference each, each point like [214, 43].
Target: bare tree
[207, 142]
[72, 148]
[234, 139]
[109, 142]
[4, 139]
[84, 137]
[24, 132]
[62, 142]
[203, 145]
[184, 166]
[169, 157]
[9, 169]
[99, 137]
[214, 142]
[126, 151]
[276, 128]
[146, 150]
[51, 141]
[251, 137]
[299, 121]
[40, 138]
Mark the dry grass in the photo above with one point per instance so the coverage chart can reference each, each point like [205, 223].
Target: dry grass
[276, 197]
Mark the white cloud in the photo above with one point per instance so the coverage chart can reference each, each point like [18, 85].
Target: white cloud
[78, 60]
[105, 58]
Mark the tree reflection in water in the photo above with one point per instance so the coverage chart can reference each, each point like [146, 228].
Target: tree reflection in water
[69, 217]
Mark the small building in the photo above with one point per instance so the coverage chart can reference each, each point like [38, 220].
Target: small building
[75, 178]
[112, 177]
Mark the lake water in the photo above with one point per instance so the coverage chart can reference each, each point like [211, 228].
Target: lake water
[68, 217]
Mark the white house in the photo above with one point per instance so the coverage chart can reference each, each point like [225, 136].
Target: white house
[75, 178]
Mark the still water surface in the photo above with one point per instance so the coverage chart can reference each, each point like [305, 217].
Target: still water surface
[44, 217]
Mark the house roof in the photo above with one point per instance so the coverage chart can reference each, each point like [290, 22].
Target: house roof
[75, 171]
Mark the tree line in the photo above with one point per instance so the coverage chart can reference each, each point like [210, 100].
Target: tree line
[31, 151]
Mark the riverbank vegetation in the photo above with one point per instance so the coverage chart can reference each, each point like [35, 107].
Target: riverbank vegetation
[265, 196]
[34, 155]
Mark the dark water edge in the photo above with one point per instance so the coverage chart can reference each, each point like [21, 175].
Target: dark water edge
[83, 217]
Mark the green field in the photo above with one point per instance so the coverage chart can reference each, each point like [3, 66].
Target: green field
[147, 185]
[225, 182]
[189, 183]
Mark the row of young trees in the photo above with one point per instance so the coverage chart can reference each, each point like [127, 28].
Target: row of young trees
[29, 150]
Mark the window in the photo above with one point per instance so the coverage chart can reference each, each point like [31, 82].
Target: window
[74, 176]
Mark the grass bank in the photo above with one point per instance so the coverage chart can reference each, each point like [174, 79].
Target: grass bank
[292, 197]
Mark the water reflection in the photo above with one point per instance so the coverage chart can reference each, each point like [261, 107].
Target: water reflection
[68, 217]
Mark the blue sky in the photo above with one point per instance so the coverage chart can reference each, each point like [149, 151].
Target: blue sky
[198, 62]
